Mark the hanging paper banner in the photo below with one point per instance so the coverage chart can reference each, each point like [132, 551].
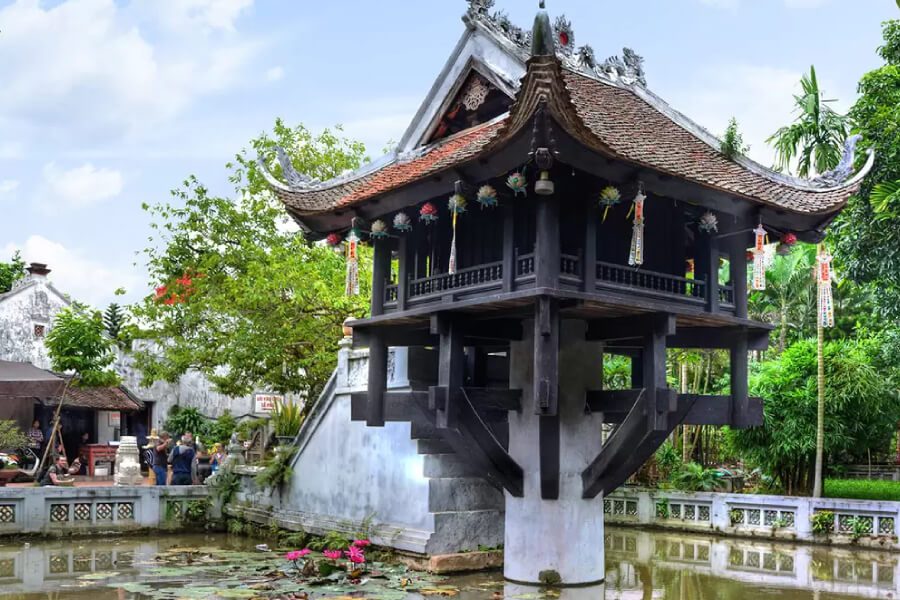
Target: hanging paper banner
[759, 259]
[457, 205]
[352, 281]
[636, 255]
[823, 278]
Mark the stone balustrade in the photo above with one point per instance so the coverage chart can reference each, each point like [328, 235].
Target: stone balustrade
[62, 510]
[863, 522]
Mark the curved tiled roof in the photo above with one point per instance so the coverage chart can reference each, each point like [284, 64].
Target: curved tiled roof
[623, 121]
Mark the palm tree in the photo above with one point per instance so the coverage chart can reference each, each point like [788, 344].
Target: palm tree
[816, 136]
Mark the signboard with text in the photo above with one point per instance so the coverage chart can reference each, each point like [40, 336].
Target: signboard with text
[265, 403]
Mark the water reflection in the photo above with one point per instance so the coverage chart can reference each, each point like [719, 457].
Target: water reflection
[640, 566]
[646, 565]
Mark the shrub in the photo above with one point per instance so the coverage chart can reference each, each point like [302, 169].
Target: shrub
[287, 417]
[822, 521]
[862, 489]
[695, 478]
[224, 485]
[733, 142]
[181, 420]
[277, 469]
[736, 516]
[332, 541]
[668, 460]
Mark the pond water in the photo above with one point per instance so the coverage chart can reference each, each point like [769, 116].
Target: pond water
[640, 565]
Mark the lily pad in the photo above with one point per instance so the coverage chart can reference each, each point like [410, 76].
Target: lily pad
[98, 575]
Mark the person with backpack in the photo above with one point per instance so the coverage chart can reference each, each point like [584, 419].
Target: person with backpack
[182, 460]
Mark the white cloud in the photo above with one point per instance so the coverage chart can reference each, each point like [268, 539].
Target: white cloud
[77, 187]
[204, 14]
[759, 97]
[8, 185]
[275, 74]
[87, 69]
[73, 273]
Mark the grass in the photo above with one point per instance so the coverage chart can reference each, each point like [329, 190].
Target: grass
[862, 489]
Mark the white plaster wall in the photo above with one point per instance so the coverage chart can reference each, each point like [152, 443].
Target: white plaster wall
[33, 302]
[105, 433]
[385, 482]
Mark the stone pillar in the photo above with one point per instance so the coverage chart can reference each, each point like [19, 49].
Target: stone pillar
[563, 537]
[128, 465]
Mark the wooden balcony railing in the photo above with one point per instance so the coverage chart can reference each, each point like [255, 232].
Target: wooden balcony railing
[650, 281]
[479, 275]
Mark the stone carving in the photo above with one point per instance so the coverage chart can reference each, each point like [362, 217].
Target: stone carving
[480, 7]
[40, 306]
[128, 466]
[844, 169]
[476, 93]
[565, 36]
[586, 57]
[629, 69]
[293, 178]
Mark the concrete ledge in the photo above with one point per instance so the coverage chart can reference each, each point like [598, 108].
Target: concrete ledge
[462, 562]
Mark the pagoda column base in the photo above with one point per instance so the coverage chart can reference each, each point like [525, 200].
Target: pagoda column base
[556, 541]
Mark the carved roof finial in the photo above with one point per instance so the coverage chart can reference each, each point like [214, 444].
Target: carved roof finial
[542, 35]
[542, 5]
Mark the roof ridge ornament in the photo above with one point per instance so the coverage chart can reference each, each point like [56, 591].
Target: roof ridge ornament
[542, 42]
[844, 168]
[629, 69]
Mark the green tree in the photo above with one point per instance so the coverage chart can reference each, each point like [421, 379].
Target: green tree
[77, 344]
[816, 136]
[114, 320]
[862, 411]
[11, 271]
[789, 300]
[732, 144]
[240, 296]
[868, 232]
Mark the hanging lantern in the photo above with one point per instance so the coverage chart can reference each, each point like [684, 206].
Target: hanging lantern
[352, 280]
[787, 242]
[823, 279]
[428, 213]
[457, 206]
[402, 222]
[334, 239]
[487, 196]
[544, 186]
[379, 230]
[610, 196]
[709, 223]
[517, 183]
[759, 259]
[636, 255]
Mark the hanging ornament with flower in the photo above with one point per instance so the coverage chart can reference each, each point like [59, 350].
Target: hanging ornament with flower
[636, 255]
[824, 275]
[352, 279]
[378, 230]
[457, 206]
[487, 196]
[402, 222]
[517, 183]
[428, 214]
[709, 223]
[759, 258]
[787, 242]
[610, 196]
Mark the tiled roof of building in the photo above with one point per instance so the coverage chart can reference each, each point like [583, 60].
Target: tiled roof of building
[99, 398]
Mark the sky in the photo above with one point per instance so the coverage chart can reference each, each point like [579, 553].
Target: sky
[106, 105]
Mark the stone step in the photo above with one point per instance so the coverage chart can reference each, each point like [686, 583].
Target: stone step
[448, 465]
[419, 430]
[434, 446]
[466, 530]
[447, 494]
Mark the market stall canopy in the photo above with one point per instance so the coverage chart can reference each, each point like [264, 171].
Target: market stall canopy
[24, 380]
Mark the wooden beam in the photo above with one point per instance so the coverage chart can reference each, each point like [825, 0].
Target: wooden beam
[547, 248]
[706, 409]
[398, 406]
[739, 381]
[509, 246]
[549, 449]
[451, 370]
[403, 260]
[589, 268]
[504, 467]
[546, 356]
[633, 442]
[381, 271]
[630, 327]
[378, 357]
[707, 264]
[494, 398]
[480, 333]
[738, 272]
[717, 337]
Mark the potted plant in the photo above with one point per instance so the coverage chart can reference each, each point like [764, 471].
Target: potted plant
[11, 441]
[287, 418]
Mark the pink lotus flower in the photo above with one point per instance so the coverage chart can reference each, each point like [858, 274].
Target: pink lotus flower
[356, 555]
[296, 555]
[362, 543]
[332, 554]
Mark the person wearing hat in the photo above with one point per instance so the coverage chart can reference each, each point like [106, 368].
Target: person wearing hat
[156, 453]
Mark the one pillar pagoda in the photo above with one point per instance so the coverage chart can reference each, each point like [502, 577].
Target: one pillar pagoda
[544, 209]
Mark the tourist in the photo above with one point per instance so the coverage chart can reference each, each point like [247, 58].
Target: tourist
[149, 456]
[218, 455]
[161, 458]
[60, 473]
[182, 459]
[36, 436]
[85, 439]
